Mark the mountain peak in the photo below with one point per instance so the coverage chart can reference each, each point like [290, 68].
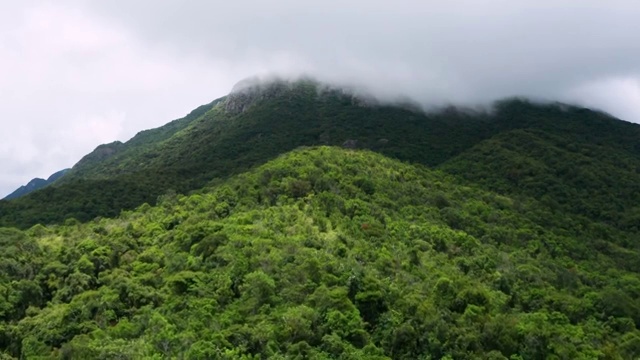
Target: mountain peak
[35, 184]
[101, 153]
[254, 89]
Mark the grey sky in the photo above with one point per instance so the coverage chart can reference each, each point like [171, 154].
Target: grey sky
[74, 74]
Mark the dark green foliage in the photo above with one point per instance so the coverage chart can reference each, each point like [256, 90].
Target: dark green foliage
[325, 253]
[599, 182]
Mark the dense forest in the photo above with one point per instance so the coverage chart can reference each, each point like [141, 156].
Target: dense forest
[325, 253]
[295, 221]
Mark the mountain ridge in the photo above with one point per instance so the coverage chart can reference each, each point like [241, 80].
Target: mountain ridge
[36, 184]
[142, 139]
[267, 119]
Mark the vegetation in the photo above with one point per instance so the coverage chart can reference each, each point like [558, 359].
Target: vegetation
[511, 234]
[579, 160]
[185, 155]
[243, 130]
[325, 253]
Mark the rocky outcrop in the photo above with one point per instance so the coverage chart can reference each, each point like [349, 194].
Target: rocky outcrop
[251, 91]
[102, 153]
[350, 144]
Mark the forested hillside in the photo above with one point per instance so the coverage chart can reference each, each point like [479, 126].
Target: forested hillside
[327, 253]
[296, 220]
[257, 123]
[587, 178]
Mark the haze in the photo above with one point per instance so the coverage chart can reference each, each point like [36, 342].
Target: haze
[74, 74]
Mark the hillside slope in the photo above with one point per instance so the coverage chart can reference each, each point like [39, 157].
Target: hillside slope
[325, 253]
[94, 165]
[595, 180]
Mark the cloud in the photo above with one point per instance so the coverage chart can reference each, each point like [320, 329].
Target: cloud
[132, 65]
[620, 95]
[70, 81]
[454, 51]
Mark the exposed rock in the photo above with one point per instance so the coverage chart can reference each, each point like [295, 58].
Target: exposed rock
[102, 153]
[350, 144]
[252, 90]
[249, 91]
[105, 152]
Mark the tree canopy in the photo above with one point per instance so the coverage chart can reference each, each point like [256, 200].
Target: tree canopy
[327, 253]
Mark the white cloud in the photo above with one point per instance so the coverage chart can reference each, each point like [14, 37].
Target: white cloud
[69, 82]
[621, 95]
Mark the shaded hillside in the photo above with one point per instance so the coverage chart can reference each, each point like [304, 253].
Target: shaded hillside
[35, 184]
[325, 253]
[572, 123]
[586, 177]
[257, 123]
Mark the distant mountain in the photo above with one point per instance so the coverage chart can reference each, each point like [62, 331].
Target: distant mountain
[35, 184]
[257, 122]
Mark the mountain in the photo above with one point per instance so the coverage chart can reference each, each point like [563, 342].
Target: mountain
[35, 184]
[258, 122]
[233, 134]
[325, 253]
[297, 220]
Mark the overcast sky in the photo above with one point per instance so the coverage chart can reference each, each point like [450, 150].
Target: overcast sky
[75, 74]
